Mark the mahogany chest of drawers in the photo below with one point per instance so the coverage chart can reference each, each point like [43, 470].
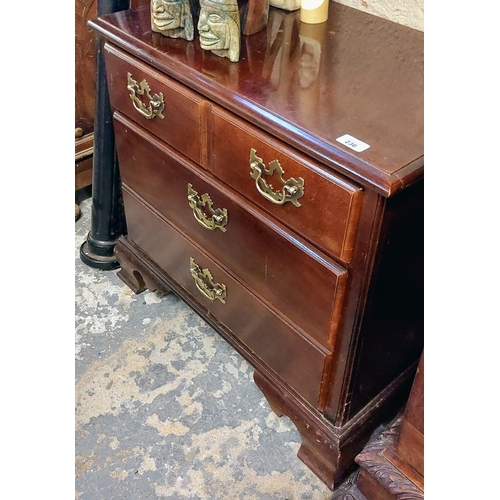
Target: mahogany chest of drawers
[282, 198]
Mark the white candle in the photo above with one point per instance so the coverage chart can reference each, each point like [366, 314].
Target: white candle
[314, 11]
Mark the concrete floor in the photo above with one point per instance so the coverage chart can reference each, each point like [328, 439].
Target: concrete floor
[165, 408]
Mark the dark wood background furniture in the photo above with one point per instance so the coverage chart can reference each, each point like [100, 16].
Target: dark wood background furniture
[304, 251]
[85, 60]
[85, 81]
[392, 467]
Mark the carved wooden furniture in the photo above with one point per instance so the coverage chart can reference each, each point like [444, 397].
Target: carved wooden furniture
[249, 191]
[392, 467]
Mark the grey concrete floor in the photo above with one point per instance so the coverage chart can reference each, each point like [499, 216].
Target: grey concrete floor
[165, 408]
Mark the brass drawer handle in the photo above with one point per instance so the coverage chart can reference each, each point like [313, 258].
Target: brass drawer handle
[219, 215]
[155, 105]
[292, 189]
[204, 282]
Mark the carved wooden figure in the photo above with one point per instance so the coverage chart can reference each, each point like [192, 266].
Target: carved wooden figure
[219, 27]
[172, 18]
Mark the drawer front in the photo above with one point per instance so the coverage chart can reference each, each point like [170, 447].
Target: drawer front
[157, 103]
[306, 287]
[299, 363]
[323, 208]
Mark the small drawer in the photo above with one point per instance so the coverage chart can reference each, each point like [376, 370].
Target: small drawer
[159, 104]
[303, 284]
[311, 200]
[297, 361]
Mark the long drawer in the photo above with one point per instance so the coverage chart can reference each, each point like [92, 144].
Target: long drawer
[305, 286]
[159, 104]
[322, 207]
[296, 360]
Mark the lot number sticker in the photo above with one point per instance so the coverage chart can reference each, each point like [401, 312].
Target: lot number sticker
[353, 143]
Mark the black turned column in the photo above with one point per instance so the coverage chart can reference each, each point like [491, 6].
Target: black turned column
[107, 219]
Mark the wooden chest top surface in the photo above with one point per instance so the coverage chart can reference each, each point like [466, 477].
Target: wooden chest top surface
[308, 85]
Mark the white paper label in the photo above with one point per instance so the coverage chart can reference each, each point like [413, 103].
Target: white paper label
[353, 143]
[311, 4]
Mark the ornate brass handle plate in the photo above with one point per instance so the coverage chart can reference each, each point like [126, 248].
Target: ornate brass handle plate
[218, 218]
[155, 105]
[292, 189]
[205, 284]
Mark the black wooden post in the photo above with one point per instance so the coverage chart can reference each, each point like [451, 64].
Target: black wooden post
[107, 219]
